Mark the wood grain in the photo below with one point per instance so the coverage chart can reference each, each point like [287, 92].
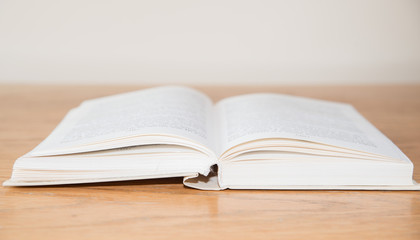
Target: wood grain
[164, 208]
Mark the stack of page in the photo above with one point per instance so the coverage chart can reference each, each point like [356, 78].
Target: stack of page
[255, 141]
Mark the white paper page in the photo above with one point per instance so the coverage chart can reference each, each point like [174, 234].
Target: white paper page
[177, 111]
[256, 116]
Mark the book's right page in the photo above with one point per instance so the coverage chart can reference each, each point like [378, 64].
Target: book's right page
[258, 116]
[247, 120]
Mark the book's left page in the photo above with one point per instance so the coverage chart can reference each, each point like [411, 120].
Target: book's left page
[163, 112]
[164, 131]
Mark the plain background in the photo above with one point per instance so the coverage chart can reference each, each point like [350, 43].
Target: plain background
[210, 42]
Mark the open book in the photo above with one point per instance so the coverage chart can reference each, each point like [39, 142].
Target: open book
[255, 141]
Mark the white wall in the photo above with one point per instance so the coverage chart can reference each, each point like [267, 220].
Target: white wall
[210, 42]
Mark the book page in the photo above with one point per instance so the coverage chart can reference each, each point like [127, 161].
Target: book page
[258, 116]
[177, 111]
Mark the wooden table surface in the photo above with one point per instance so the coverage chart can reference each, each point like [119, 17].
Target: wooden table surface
[162, 209]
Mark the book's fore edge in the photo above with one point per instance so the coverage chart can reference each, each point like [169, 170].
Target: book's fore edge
[414, 187]
[13, 183]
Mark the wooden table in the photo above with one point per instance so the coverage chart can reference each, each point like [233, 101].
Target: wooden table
[163, 209]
